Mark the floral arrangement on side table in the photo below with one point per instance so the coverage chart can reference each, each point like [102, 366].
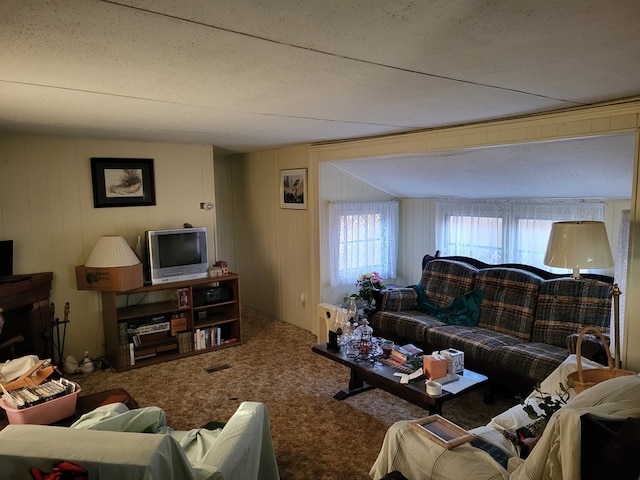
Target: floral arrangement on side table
[367, 284]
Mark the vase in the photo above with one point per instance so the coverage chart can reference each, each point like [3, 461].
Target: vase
[352, 311]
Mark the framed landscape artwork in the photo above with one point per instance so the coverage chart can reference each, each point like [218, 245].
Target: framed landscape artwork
[122, 182]
[293, 188]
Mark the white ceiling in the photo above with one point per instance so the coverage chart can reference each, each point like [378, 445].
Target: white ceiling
[246, 75]
[583, 168]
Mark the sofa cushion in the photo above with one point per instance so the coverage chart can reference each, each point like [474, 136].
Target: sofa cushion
[444, 280]
[529, 360]
[510, 299]
[411, 325]
[566, 306]
[398, 299]
[477, 343]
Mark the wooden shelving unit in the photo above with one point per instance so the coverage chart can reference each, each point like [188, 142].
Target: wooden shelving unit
[150, 325]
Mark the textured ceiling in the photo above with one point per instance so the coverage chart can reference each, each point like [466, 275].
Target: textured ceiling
[584, 168]
[245, 75]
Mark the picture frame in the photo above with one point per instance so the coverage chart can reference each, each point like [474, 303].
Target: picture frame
[122, 182]
[442, 431]
[182, 298]
[293, 188]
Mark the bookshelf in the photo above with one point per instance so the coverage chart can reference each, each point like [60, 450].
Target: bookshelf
[158, 323]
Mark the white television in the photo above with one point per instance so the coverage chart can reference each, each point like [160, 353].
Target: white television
[175, 255]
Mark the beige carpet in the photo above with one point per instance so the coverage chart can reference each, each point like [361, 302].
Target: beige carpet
[314, 436]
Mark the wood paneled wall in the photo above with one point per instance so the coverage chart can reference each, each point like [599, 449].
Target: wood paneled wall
[46, 207]
[271, 247]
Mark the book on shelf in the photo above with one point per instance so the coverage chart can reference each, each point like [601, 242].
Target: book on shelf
[185, 342]
[124, 354]
[151, 328]
[123, 334]
[178, 323]
[208, 337]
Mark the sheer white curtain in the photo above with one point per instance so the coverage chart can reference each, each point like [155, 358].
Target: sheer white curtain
[363, 237]
[621, 260]
[471, 229]
[505, 231]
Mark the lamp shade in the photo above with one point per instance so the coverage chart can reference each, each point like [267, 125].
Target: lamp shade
[578, 244]
[112, 251]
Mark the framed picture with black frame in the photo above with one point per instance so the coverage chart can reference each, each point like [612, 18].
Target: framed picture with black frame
[122, 182]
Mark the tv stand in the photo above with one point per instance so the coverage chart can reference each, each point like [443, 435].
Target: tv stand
[157, 323]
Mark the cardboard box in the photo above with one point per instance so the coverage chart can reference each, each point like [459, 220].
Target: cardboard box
[434, 368]
[455, 360]
[109, 279]
[178, 324]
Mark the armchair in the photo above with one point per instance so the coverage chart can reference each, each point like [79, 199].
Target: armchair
[556, 455]
[121, 443]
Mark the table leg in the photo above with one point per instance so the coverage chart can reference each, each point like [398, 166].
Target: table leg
[356, 385]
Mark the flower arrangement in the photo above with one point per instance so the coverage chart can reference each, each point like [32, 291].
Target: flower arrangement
[367, 283]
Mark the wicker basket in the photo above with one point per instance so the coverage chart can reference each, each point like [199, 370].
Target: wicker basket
[583, 379]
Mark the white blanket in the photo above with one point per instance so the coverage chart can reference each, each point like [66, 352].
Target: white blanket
[114, 442]
[420, 458]
[12, 369]
[556, 456]
[241, 450]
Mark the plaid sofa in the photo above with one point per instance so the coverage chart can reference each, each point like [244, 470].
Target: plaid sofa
[528, 320]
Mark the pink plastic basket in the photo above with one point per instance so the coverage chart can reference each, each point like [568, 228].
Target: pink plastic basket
[44, 413]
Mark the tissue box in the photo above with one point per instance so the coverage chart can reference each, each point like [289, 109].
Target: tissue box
[434, 368]
[455, 360]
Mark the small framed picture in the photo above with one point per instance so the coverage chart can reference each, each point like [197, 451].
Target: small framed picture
[122, 182]
[182, 295]
[445, 433]
[293, 188]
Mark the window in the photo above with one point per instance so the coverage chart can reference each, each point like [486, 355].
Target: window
[362, 239]
[504, 231]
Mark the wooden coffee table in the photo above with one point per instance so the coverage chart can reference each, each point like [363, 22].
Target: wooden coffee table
[366, 375]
